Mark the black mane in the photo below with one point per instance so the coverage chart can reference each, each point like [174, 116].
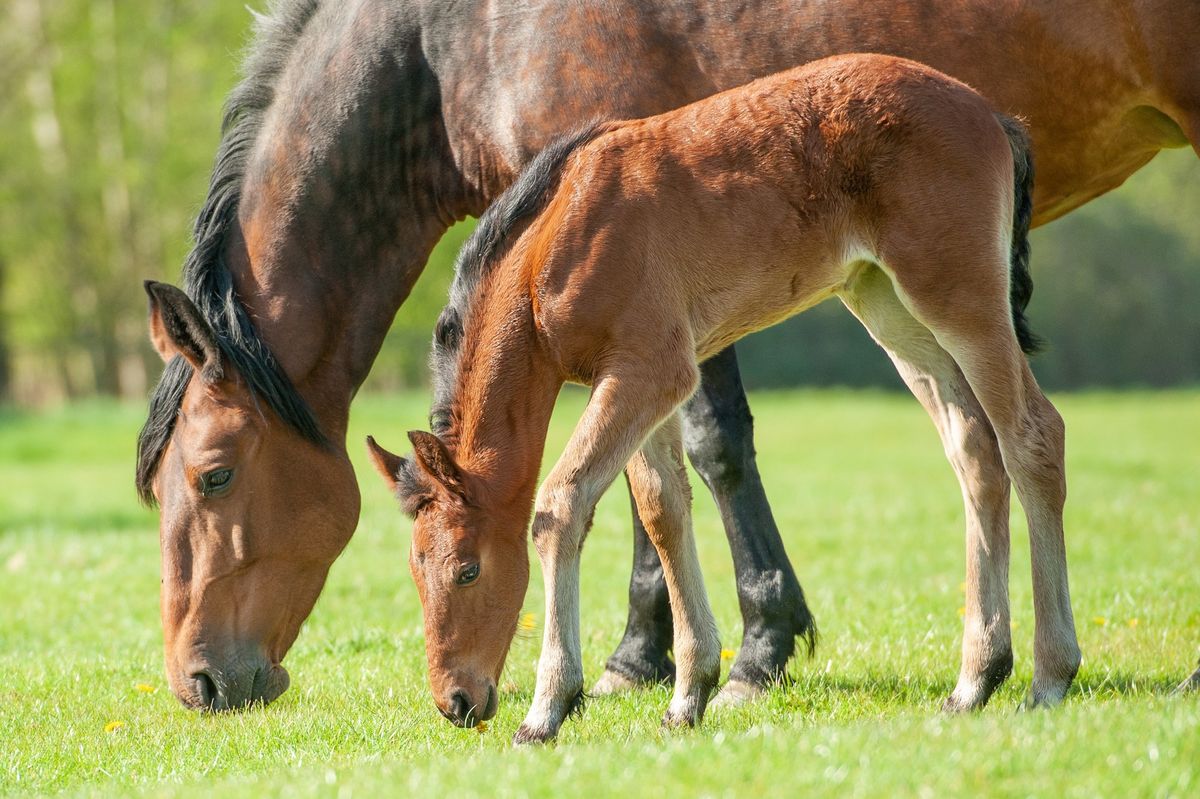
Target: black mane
[206, 277]
[521, 200]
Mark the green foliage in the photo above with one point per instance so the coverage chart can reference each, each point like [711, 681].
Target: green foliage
[108, 126]
[871, 516]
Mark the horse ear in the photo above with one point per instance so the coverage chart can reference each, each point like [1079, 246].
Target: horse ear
[177, 328]
[431, 453]
[388, 465]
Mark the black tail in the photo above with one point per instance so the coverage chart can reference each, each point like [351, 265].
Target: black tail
[1020, 281]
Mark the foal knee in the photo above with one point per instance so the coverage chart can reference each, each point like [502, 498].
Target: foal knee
[975, 454]
[556, 519]
[1045, 446]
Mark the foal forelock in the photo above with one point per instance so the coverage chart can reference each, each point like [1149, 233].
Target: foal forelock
[524, 198]
[207, 279]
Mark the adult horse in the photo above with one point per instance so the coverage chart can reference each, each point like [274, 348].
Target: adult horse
[362, 130]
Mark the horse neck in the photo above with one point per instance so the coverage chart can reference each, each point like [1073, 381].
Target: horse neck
[347, 189]
[505, 393]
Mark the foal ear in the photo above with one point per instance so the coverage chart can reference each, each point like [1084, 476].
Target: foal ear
[431, 453]
[387, 464]
[177, 328]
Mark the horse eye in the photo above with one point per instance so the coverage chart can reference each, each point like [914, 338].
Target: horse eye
[215, 482]
[468, 575]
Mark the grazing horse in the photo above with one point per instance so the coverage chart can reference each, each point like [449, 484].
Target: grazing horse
[362, 130]
[632, 252]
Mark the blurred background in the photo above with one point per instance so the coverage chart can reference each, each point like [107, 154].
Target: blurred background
[109, 117]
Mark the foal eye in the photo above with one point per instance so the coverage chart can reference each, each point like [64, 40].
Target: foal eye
[468, 575]
[215, 482]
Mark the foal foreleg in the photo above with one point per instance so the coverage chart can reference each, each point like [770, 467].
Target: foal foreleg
[659, 483]
[624, 408]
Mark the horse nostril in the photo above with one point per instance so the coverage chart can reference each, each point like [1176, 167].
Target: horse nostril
[460, 707]
[206, 688]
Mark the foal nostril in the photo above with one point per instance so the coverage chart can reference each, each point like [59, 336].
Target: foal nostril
[206, 688]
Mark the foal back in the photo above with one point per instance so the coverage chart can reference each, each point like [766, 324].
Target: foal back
[728, 215]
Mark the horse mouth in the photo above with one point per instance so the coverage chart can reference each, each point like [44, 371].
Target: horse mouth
[210, 693]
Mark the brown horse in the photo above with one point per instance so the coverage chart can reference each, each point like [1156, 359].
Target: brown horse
[655, 244]
[305, 232]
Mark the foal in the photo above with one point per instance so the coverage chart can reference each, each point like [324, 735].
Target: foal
[655, 243]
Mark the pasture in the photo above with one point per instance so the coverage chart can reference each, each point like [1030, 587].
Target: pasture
[873, 522]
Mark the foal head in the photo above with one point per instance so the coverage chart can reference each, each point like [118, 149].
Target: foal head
[471, 574]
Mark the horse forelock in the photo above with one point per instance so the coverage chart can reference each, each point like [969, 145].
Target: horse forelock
[206, 277]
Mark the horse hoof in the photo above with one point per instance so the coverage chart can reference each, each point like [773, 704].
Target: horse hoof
[736, 693]
[611, 682]
[526, 735]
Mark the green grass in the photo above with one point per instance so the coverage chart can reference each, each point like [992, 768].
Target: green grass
[872, 519]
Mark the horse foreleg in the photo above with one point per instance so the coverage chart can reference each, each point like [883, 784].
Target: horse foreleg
[719, 435]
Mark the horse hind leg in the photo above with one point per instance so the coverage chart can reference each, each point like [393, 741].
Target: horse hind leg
[660, 487]
[971, 447]
[967, 308]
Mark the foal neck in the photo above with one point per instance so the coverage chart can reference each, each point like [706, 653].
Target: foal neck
[504, 396]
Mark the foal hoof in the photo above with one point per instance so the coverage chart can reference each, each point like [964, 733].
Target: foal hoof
[956, 704]
[736, 693]
[611, 682]
[526, 735]
[685, 717]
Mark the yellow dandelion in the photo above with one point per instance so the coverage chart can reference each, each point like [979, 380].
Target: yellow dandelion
[144, 688]
[728, 654]
[1014, 624]
[1099, 621]
[962, 612]
[113, 726]
[481, 727]
[528, 622]
[1133, 622]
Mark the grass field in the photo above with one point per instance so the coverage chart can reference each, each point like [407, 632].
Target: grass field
[872, 518]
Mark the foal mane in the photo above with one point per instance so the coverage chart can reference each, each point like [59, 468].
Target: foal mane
[524, 198]
[206, 277]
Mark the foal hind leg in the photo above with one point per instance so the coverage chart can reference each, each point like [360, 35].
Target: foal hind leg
[659, 483]
[643, 655]
[969, 313]
[971, 447]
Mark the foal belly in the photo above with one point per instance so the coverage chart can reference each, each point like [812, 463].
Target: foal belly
[761, 300]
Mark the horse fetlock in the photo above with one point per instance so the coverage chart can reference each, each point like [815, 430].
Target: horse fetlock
[547, 715]
[769, 641]
[1054, 670]
[979, 680]
[688, 704]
